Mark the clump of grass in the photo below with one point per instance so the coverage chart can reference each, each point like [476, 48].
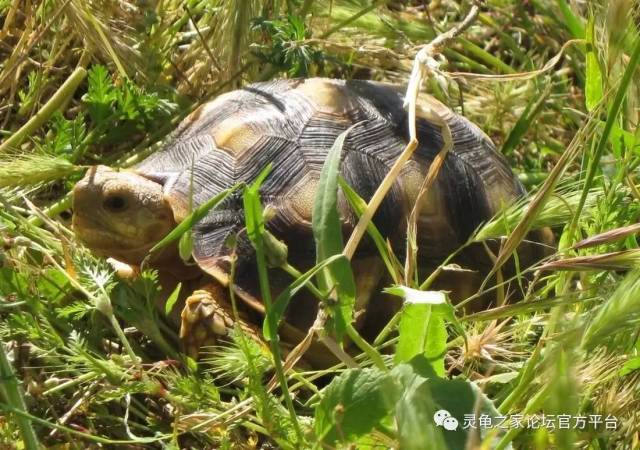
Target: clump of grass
[557, 211]
[33, 169]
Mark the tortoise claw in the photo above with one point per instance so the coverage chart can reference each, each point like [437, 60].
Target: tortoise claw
[207, 321]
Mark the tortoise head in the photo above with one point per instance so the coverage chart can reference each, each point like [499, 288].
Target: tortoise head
[120, 214]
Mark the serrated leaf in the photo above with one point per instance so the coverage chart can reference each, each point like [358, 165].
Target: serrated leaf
[173, 298]
[354, 403]
[100, 94]
[327, 231]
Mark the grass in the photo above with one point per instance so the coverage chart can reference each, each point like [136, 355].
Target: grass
[87, 359]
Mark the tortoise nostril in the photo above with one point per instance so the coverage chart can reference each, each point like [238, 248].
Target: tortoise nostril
[115, 203]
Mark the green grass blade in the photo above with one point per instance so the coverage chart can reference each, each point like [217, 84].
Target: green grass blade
[192, 218]
[612, 116]
[573, 22]
[359, 205]
[275, 313]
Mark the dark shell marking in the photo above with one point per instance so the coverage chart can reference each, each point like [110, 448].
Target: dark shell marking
[293, 124]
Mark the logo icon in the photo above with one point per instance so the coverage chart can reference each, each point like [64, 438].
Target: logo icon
[443, 418]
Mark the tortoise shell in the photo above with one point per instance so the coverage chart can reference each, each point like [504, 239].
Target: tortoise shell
[293, 124]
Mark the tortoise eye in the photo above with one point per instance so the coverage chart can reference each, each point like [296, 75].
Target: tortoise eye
[115, 203]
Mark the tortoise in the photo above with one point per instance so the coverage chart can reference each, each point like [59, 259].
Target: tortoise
[291, 124]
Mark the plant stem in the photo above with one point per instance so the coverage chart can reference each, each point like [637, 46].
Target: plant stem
[274, 343]
[363, 345]
[376, 200]
[353, 334]
[10, 391]
[533, 405]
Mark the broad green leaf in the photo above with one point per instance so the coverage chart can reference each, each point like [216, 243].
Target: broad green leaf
[353, 404]
[422, 332]
[274, 315]
[622, 140]
[327, 231]
[422, 327]
[424, 393]
[593, 88]
[173, 298]
[415, 408]
[416, 296]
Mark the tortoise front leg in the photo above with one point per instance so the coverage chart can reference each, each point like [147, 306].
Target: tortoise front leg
[207, 320]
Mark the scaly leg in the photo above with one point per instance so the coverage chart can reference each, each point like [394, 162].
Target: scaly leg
[207, 320]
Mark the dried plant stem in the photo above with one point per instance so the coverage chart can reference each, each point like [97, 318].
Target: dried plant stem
[420, 71]
[376, 200]
[540, 199]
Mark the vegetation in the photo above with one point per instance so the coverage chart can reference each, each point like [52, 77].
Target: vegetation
[87, 360]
